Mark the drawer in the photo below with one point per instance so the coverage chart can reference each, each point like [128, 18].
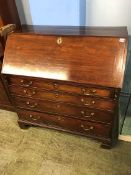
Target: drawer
[64, 109]
[63, 123]
[61, 86]
[92, 102]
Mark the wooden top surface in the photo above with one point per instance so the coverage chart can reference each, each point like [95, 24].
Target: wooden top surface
[83, 59]
[77, 30]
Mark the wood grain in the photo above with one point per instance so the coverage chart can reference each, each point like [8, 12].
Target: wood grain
[61, 86]
[91, 102]
[67, 81]
[9, 13]
[66, 123]
[77, 59]
[4, 99]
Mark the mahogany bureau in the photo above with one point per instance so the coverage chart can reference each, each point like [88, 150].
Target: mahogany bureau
[68, 79]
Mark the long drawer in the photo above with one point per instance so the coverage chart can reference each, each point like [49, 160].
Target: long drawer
[92, 102]
[89, 128]
[61, 86]
[64, 109]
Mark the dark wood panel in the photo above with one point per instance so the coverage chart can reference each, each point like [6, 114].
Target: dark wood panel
[4, 100]
[64, 109]
[78, 100]
[61, 86]
[75, 59]
[89, 128]
[9, 13]
[1, 22]
[3, 97]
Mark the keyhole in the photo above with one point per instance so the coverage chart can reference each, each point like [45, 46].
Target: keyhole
[59, 41]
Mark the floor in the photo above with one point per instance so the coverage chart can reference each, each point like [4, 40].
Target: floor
[127, 126]
[125, 121]
[38, 151]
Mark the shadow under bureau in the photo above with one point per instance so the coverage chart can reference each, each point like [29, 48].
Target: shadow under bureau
[67, 79]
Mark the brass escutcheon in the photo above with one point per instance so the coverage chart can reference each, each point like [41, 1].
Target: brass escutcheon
[29, 93]
[87, 128]
[34, 117]
[59, 41]
[87, 116]
[25, 84]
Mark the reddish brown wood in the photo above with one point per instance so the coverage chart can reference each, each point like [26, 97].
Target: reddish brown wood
[66, 87]
[1, 22]
[85, 127]
[1, 50]
[9, 13]
[77, 59]
[64, 109]
[3, 97]
[70, 82]
[82, 100]
[4, 100]
[91, 102]
[23, 125]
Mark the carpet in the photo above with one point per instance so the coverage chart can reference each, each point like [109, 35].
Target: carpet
[127, 126]
[39, 151]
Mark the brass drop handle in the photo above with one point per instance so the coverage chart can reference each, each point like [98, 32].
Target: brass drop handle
[31, 105]
[60, 118]
[26, 84]
[87, 129]
[55, 85]
[56, 95]
[59, 41]
[88, 103]
[90, 92]
[87, 116]
[28, 93]
[34, 117]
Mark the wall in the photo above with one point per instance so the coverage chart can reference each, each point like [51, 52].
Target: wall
[98, 12]
[112, 13]
[52, 12]
[108, 13]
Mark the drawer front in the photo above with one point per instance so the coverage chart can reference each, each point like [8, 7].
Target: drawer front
[89, 128]
[64, 109]
[59, 86]
[91, 102]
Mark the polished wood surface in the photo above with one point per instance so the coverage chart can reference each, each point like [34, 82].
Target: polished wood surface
[75, 59]
[55, 107]
[91, 102]
[80, 126]
[70, 82]
[62, 86]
